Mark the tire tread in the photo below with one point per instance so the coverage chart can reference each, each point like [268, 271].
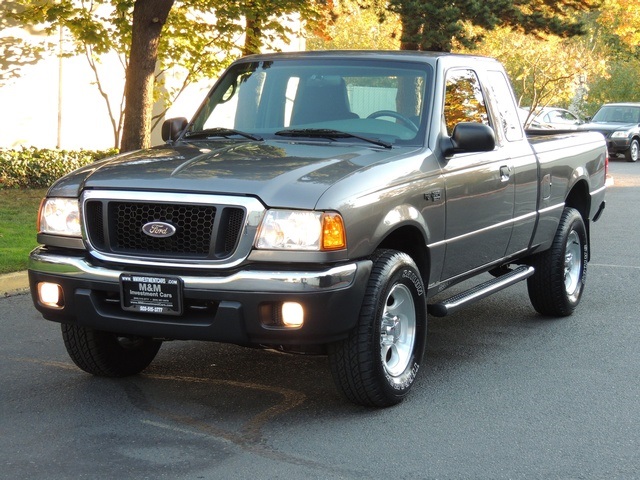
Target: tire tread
[546, 287]
[351, 363]
[99, 353]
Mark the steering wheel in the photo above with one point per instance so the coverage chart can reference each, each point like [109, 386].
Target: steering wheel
[390, 113]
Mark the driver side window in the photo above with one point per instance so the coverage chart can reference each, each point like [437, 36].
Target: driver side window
[464, 101]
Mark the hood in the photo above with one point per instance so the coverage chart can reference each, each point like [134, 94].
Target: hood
[607, 128]
[280, 173]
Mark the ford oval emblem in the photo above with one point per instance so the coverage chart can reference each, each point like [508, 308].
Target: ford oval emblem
[158, 229]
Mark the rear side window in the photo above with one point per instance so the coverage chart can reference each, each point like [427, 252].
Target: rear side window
[503, 99]
[464, 101]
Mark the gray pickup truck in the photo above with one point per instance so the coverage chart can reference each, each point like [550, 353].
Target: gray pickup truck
[319, 203]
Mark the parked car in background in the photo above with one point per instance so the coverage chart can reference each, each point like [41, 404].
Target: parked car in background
[552, 118]
[620, 124]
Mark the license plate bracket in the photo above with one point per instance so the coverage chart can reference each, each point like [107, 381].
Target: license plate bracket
[151, 294]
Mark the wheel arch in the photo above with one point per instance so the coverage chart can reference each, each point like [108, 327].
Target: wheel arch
[634, 138]
[580, 199]
[410, 240]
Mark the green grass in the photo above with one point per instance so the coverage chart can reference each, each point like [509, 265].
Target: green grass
[18, 212]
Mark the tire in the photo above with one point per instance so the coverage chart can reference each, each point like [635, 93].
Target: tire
[377, 364]
[634, 151]
[556, 286]
[107, 354]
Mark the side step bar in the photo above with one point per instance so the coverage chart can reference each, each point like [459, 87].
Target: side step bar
[481, 291]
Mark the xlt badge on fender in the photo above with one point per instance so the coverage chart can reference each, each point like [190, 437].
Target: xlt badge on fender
[158, 229]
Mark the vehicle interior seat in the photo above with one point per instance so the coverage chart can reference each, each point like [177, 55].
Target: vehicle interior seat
[628, 117]
[320, 99]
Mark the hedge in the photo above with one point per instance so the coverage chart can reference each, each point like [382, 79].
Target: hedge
[30, 167]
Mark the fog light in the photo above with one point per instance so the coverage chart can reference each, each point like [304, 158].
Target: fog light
[292, 314]
[50, 294]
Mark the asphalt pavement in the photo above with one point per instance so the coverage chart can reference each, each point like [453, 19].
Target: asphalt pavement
[504, 394]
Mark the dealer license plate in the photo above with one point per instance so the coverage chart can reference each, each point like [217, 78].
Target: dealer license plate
[151, 294]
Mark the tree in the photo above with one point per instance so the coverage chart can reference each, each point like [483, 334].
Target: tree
[622, 19]
[545, 69]
[196, 37]
[349, 26]
[614, 31]
[621, 84]
[434, 25]
[266, 22]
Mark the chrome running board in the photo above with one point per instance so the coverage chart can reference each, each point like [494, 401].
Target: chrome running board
[452, 304]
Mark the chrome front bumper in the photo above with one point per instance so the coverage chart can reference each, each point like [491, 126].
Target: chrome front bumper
[251, 280]
[236, 308]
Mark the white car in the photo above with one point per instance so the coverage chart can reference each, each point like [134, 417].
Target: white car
[552, 118]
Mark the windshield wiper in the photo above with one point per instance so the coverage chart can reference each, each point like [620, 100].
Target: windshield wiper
[330, 134]
[222, 132]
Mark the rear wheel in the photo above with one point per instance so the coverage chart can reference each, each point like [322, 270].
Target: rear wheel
[377, 364]
[634, 151]
[560, 272]
[107, 354]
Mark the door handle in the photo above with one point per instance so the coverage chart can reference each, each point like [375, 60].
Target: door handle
[505, 173]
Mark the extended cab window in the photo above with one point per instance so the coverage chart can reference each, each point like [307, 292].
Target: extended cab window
[464, 101]
[503, 97]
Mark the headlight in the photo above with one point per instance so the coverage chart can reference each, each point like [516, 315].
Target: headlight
[620, 134]
[59, 216]
[301, 230]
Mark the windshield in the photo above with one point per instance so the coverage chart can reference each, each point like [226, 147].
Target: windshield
[617, 114]
[363, 99]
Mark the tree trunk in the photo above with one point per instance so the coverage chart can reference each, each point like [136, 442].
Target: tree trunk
[149, 16]
[253, 35]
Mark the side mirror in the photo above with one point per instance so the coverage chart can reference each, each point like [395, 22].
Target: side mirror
[172, 128]
[469, 137]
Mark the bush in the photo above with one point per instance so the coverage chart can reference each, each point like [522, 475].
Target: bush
[39, 168]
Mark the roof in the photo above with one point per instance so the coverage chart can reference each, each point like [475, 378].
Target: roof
[621, 104]
[367, 54]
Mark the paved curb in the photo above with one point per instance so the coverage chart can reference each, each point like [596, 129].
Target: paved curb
[14, 283]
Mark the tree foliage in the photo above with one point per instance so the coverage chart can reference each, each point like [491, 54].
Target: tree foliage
[545, 69]
[622, 84]
[614, 31]
[435, 24]
[622, 19]
[348, 26]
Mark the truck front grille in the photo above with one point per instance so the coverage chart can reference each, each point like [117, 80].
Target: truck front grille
[208, 232]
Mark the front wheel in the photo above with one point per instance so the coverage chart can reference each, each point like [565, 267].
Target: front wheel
[560, 272]
[377, 364]
[634, 151]
[107, 354]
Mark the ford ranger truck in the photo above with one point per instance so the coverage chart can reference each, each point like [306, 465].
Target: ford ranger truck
[320, 202]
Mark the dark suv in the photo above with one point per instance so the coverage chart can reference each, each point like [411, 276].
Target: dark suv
[620, 124]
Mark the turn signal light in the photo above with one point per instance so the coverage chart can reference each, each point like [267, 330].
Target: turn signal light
[333, 235]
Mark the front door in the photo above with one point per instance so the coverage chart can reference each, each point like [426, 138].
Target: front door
[479, 187]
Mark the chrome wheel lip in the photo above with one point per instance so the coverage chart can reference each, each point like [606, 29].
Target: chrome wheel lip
[573, 263]
[397, 331]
